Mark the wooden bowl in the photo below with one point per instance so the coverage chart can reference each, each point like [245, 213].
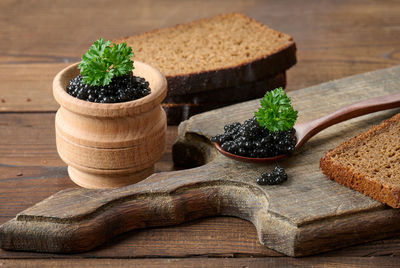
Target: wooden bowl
[108, 145]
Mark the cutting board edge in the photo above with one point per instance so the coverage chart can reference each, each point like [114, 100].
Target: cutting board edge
[313, 238]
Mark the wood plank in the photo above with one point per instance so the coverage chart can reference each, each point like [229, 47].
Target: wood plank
[43, 175]
[28, 139]
[364, 38]
[28, 87]
[69, 34]
[372, 25]
[335, 39]
[359, 40]
[30, 167]
[204, 237]
[219, 237]
[31, 171]
[210, 262]
[320, 215]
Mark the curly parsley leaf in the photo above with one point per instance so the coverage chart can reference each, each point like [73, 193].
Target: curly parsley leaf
[102, 62]
[276, 112]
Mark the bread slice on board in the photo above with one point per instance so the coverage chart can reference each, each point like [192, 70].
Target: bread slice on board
[219, 52]
[243, 92]
[180, 108]
[369, 162]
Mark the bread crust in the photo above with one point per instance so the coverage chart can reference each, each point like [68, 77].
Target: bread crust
[178, 112]
[278, 61]
[247, 72]
[361, 181]
[240, 93]
[180, 108]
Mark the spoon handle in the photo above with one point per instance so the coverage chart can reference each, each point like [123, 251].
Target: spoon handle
[307, 130]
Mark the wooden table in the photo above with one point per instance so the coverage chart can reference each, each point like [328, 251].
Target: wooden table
[38, 38]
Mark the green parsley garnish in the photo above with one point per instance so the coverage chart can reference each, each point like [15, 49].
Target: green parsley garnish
[276, 113]
[102, 62]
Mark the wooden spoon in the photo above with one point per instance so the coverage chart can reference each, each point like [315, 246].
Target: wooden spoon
[305, 131]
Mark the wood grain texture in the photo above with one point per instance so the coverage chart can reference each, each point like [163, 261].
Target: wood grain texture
[322, 216]
[334, 39]
[33, 142]
[363, 37]
[305, 167]
[210, 262]
[110, 145]
[31, 169]
[306, 131]
[28, 87]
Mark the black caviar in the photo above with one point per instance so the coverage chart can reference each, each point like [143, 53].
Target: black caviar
[276, 176]
[251, 140]
[121, 89]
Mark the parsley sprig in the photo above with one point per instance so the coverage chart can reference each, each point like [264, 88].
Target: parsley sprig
[276, 112]
[102, 62]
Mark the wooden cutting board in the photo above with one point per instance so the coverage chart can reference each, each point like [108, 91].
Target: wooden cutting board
[305, 215]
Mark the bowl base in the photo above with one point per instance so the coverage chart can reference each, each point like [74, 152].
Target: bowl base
[102, 181]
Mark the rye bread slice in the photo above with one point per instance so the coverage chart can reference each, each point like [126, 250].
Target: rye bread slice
[234, 94]
[369, 162]
[180, 108]
[218, 52]
[178, 112]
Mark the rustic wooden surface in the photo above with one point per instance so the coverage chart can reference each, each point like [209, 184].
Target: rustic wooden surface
[334, 39]
[308, 214]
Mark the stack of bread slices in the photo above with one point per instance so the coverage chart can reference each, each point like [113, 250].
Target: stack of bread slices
[215, 62]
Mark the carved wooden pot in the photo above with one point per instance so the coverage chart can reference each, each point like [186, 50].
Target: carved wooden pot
[110, 144]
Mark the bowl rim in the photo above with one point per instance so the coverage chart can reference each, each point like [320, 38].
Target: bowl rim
[134, 107]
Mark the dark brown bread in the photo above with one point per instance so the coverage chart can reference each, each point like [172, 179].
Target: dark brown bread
[369, 162]
[180, 108]
[219, 52]
[236, 94]
[178, 112]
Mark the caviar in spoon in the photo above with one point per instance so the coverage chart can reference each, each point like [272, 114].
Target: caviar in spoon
[251, 140]
[305, 131]
[268, 134]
